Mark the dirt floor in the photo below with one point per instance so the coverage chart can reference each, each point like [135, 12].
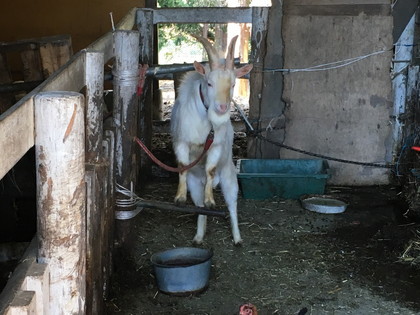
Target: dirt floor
[292, 260]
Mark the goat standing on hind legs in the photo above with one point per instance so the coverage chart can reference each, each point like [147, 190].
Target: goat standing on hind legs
[203, 104]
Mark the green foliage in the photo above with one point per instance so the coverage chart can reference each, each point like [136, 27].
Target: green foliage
[179, 33]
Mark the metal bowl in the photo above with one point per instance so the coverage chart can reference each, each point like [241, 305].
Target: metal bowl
[323, 204]
[183, 270]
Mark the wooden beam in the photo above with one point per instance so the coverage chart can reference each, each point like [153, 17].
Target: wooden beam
[18, 277]
[38, 280]
[24, 303]
[32, 43]
[16, 134]
[70, 77]
[337, 2]
[201, 15]
[290, 8]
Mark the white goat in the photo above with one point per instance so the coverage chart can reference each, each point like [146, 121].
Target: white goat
[203, 104]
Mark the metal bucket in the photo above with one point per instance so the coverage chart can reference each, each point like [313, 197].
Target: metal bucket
[182, 271]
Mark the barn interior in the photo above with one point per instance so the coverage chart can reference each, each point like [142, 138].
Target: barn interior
[333, 81]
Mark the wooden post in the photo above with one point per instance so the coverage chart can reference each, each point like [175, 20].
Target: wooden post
[94, 78]
[126, 76]
[145, 26]
[108, 214]
[60, 161]
[94, 208]
[96, 179]
[266, 105]
[259, 49]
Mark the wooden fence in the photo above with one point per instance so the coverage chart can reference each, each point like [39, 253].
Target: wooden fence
[66, 269]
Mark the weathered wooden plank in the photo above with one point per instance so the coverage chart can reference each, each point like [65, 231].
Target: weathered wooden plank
[6, 99]
[201, 15]
[17, 279]
[24, 303]
[336, 2]
[337, 10]
[60, 162]
[37, 280]
[54, 55]
[31, 43]
[17, 123]
[19, 86]
[32, 70]
[16, 134]
[108, 212]
[69, 78]
[94, 208]
[94, 78]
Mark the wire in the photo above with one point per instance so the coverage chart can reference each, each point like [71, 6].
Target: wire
[330, 65]
[323, 156]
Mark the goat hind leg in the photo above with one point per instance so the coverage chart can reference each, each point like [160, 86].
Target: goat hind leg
[229, 186]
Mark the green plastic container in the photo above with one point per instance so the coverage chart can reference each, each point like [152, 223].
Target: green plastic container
[289, 179]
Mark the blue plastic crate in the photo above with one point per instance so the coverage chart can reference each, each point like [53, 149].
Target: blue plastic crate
[289, 179]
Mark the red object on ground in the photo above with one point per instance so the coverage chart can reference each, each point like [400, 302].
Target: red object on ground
[248, 309]
[416, 149]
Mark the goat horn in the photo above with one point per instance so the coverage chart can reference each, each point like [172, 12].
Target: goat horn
[230, 53]
[211, 51]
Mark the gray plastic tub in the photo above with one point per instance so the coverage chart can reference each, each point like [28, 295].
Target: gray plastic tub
[183, 270]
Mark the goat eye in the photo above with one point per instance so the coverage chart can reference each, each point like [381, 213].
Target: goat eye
[209, 84]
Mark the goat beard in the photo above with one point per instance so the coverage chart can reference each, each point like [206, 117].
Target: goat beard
[217, 118]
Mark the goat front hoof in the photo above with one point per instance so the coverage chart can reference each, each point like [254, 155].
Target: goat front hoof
[180, 201]
[238, 243]
[210, 204]
[198, 240]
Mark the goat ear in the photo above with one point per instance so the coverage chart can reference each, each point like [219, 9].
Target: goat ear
[240, 72]
[199, 68]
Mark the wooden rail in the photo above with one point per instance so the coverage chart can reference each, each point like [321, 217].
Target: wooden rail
[28, 289]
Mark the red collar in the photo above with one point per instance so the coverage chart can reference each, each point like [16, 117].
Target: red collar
[202, 98]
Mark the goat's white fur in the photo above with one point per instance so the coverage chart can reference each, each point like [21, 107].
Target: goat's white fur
[192, 121]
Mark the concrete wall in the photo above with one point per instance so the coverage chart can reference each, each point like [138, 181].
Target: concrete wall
[84, 20]
[345, 112]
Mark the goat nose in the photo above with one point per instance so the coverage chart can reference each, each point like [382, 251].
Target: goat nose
[223, 108]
